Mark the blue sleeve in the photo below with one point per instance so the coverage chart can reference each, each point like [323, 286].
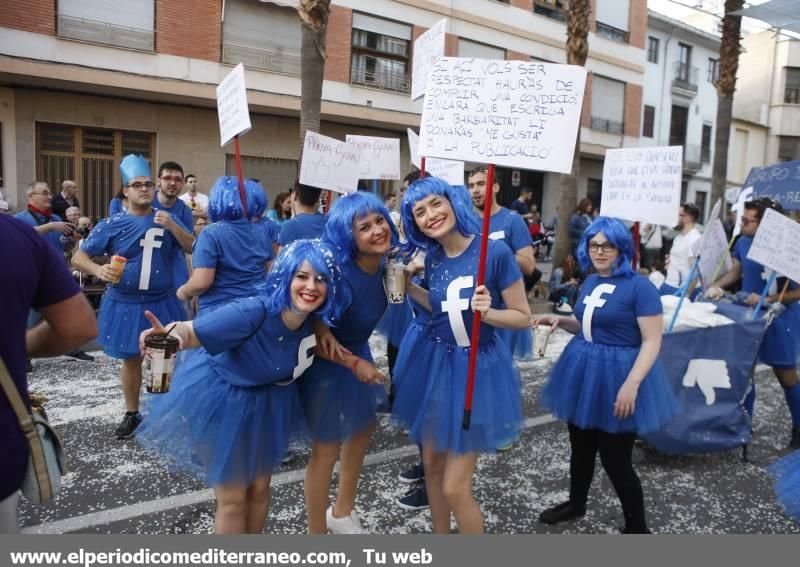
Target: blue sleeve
[99, 239]
[115, 207]
[231, 324]
[503, 265]
[647, 300]
[206, 252]
[26, 217]
[186, 219]
[271, 214]
[737, 251]
[520, 237]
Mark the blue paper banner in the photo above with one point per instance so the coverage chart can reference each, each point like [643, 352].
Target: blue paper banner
[780, 181]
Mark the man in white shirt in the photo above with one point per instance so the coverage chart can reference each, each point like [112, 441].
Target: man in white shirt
[681, 256]
[195, 200]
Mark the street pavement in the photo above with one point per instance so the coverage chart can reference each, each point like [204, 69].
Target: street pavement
[115, 487]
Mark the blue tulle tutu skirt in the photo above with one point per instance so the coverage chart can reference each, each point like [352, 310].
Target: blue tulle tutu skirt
[338, 405]
[120, 323]
[786, 473]
[431, 388]
[395, 321]
[520, 342]
[781, 345]
[583, 386]
[217, 432]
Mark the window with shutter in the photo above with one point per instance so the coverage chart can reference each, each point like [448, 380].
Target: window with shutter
[122, 23]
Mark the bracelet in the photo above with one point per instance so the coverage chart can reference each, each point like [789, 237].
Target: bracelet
[355, 365]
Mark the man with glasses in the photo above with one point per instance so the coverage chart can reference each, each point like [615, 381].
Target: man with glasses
[40, 216]
[780, 347]
[151, 244]
[169, 207]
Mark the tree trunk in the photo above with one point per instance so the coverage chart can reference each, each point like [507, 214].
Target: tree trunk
[728, 66]
[577, 51]
[314, 14]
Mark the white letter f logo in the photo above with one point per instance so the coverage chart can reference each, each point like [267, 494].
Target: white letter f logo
[454, 305]
[594, 301]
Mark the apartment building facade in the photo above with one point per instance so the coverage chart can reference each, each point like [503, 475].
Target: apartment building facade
[84, 82]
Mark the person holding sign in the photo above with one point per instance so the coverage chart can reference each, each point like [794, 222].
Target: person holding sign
[230, 256]
[341, 390]
[234, 403]
[147, 244]
[681, 255]
[608, 384]
[508, 227]
[432, 377]
[780, 347]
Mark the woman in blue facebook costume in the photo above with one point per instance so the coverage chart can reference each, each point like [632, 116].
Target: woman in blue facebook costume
[230, 256]
[234, 402]
[608, 384]
[431, 377]
[341, 390]
[786, 473]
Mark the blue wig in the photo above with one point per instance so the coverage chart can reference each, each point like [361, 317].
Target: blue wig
[618, 235]
[226, 204]
[277, 286]
[467, 222]
[348, 208]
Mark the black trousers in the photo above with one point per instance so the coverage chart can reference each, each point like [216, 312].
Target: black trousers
[616, 453]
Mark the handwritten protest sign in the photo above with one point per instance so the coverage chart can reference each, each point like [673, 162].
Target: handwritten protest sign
[777, 244]
[521, 114]
[643, 184]
[427, 49]
[380, 157]
[329, 164]
[780, 181]
[234, 118]
[713, 247]
[451, 171]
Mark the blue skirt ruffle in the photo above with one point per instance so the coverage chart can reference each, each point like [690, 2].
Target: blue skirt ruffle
[583, 386]
[519, 342]
[781, 345]
[431, 388]
[394, 322]
[120, 323]
[337, 405]
[786, 473]
[217, 432]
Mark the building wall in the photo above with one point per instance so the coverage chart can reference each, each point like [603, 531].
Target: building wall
[9, 147]
[192, 28]
[748, 145]
[339, 44]
[38, 16]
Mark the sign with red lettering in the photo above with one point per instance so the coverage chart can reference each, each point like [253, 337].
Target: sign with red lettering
[380, 157]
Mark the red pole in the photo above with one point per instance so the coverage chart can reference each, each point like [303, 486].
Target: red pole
[636, 241]
[328, 202]
[240, 175]
[476, 317]
[422, 167]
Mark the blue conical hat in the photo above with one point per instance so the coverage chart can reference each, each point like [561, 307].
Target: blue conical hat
[133, 166]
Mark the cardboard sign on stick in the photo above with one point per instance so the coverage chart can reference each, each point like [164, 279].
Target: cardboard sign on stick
[777, 244]
[521, 114]
[713, 247]
[234, 117]
[427, 49]
[643, 184]
[380, 157]
[451, 171]
[329, 164]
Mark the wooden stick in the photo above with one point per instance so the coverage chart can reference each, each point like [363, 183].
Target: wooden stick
[241, 176]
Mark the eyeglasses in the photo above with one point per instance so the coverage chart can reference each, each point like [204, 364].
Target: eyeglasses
[745, 221]
[146, 186]
[171, 179]
[605, 247]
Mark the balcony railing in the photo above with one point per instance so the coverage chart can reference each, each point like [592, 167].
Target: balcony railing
[610, 32]
[108, 34]
[685, 77]
[396, 82]
[277, 60]
[550, 10]
[607, 125]
[791, 96]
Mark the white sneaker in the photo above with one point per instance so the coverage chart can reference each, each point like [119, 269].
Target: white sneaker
[347, 525]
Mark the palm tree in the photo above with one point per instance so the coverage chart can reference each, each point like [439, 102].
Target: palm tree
[577, 51]
[314, 14]
[726, 85]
